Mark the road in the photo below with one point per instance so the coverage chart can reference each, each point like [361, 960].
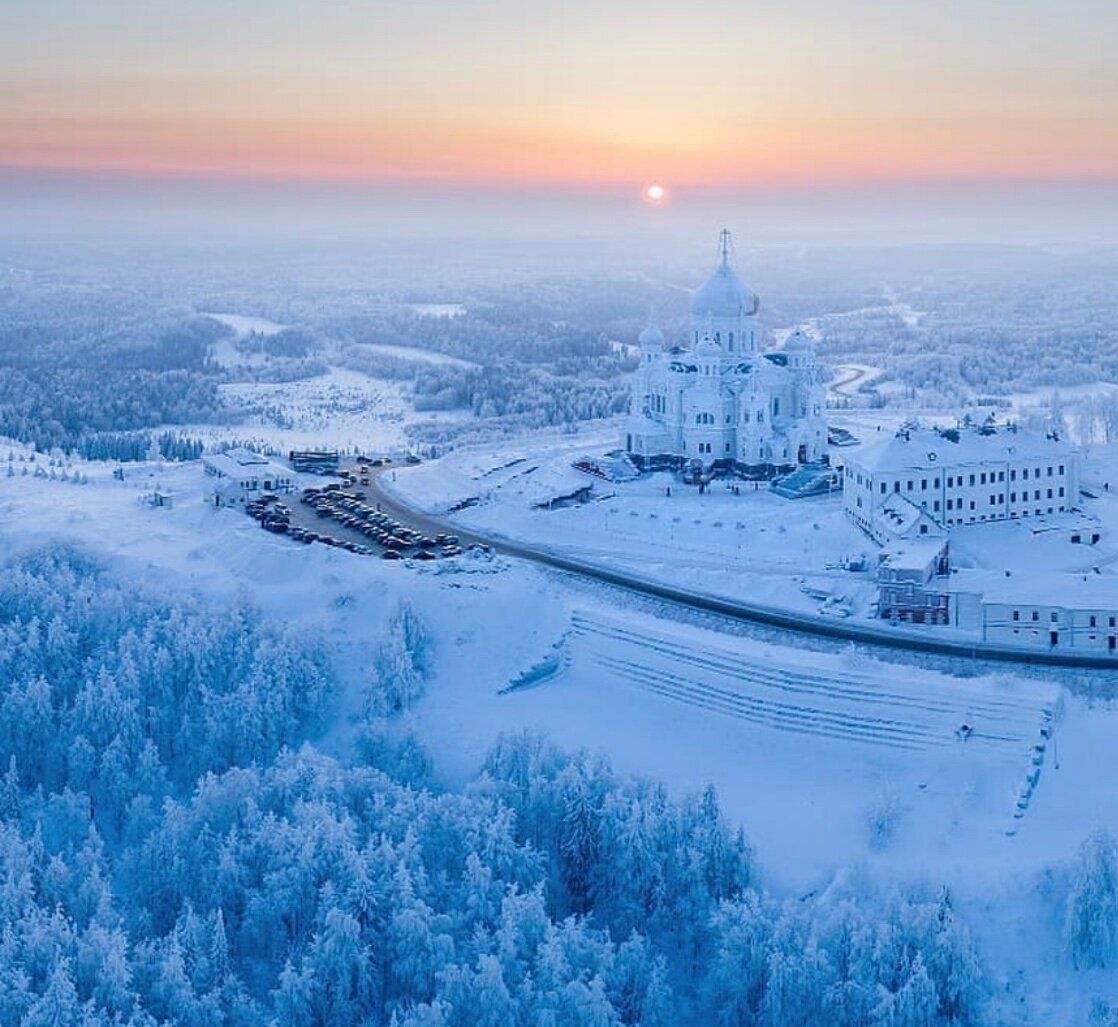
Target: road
[853, 376]
[755, 613]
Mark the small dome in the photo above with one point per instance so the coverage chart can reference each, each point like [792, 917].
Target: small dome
[707, 347]
[798, 342]
[651, 337]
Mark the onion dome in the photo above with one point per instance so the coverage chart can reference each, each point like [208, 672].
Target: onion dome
[707, 347]
[798, 342]
[724, 294]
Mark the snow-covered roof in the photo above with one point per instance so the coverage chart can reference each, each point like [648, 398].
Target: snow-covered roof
[899, 517]
[913, 553]
[243, 463]
[920, 448]
[1041, 588]
[797, 341]
[707, 347]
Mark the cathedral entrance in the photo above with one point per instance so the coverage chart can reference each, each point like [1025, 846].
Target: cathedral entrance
[801, 455]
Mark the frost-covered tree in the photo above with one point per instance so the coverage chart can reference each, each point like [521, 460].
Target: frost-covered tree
[401, 664]
[1091, 914]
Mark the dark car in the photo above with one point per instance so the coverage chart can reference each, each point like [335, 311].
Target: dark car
[390, 554]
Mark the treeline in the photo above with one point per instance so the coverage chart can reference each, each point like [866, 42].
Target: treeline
[541, 398]
[132, 446]
[57, 390]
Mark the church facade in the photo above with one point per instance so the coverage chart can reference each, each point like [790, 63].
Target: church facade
[719, 400]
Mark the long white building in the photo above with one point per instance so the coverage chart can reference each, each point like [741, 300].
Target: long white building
[958, 477]
[240, 476]
[719, 399]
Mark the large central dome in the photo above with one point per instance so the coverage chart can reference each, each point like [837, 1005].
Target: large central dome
[724, 294]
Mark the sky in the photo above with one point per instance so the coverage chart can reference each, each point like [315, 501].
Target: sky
[576, 98]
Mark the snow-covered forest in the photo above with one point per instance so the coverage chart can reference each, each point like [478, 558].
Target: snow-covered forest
[177, 849]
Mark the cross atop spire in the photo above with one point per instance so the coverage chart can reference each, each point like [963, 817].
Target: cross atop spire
[725, 247]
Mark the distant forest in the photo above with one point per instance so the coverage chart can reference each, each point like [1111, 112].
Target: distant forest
[101, 350]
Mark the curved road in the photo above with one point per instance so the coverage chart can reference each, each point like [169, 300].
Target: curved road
[756, 613]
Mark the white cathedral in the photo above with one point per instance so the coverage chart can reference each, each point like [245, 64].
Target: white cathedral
[720, 400]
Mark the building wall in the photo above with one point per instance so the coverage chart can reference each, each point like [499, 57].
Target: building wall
[967, 492]
[1048, 626]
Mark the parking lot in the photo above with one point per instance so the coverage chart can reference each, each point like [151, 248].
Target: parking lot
[340, 514]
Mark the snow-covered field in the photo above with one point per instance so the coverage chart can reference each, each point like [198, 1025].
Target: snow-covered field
[341, 409]
[225, 352]
[439, 309]
[422, 356]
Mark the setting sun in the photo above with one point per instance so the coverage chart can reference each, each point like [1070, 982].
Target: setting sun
[655, 194]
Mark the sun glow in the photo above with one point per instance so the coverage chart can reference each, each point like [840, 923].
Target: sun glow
[655, 194]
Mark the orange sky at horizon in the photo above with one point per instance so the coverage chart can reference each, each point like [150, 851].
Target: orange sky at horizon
[761, 155]
[535, 94]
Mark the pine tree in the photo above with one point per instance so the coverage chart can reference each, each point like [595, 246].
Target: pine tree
[58, 1006]
[1091, 918]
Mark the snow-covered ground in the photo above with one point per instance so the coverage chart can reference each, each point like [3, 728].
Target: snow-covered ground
[225, 351]
[439, 309]
[421, 356]
[342, 409]
[806, 749]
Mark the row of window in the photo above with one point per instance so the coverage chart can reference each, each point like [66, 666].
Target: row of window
[957, 480]
[1054, 618]
[1013, 515]
[997, 498]
[707, 447]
